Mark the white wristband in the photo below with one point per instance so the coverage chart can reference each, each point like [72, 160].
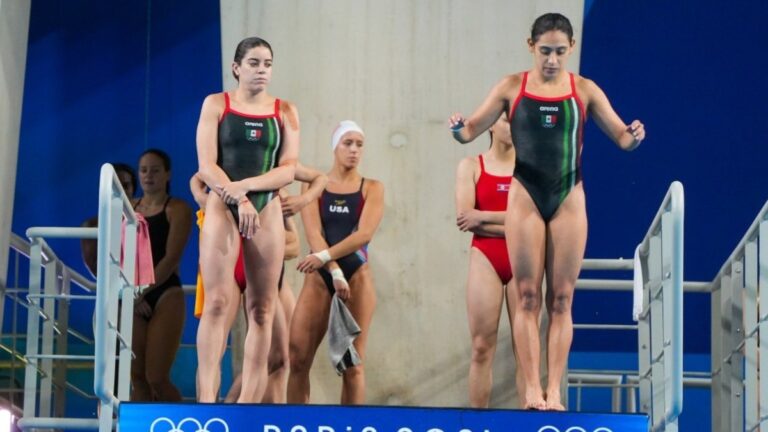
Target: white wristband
[324, 256]
[337, 274]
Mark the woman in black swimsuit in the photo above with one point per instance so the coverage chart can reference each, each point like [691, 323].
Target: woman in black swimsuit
[158, 318]
[546, 221]
[247, 146]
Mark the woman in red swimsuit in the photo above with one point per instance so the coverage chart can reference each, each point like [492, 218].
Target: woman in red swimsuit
[482, 186]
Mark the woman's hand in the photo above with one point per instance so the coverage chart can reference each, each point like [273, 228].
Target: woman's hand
[342, 288]
[249, 218]
[309, 264]
[456, 122]
[469, 220]
[231, 193]
[292, 204]
[637, 130]
[142, 308]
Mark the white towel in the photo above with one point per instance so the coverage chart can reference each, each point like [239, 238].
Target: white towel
[637, 290]
[342, 331]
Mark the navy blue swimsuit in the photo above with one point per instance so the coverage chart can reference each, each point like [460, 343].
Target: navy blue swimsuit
[339, 217]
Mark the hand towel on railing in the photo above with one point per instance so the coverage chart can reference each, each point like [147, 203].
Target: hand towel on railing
[145, 268]
[342, 331]
[637, 288]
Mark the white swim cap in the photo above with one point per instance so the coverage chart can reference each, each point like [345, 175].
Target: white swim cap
[344, 127]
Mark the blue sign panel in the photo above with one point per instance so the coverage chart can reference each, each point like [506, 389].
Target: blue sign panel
[136, 417]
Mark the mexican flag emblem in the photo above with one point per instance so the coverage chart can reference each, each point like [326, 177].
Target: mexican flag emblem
[548, 120]
[253, 134]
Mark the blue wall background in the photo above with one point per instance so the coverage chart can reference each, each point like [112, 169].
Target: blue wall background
[687, 69]
[106, 80]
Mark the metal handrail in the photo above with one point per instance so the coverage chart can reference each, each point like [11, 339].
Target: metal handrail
[22, 246]
[116, 261]
[109, 188]
[738, 251]
[739, 331]
[677, 209]
[673, 209]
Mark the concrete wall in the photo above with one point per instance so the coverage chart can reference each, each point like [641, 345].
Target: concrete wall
[400, 68]
[14, 24]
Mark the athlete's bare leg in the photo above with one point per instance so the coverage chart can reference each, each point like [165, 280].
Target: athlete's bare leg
[361, 304]
[525, 233]
[162, 341]
[567, 238]
[219, 250]
[308, 326]
[485, 296]
[263, 254]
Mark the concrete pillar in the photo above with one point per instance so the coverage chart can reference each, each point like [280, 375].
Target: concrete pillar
[14, 26]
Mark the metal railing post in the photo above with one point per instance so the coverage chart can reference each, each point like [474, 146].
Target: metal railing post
[62, 345]
[657, 330]
[763, 323]
[33, 328]
[46, 346]
[736, 380]
[751, 416]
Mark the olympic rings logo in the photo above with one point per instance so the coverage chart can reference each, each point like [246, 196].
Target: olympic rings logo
[179, 428]
[550, 428]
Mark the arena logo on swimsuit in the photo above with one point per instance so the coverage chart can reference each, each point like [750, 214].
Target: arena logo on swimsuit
[502, 187]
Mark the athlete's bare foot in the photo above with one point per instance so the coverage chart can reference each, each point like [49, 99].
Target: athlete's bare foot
[553, 402]
[534, 400]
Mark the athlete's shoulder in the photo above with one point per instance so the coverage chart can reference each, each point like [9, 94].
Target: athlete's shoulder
[509, 85]
[469, 164]
[289, 114]
[214, 103]
[178, 207]
[515, 78]
[287, 106]
[584, 85]
[215, 99]
[511, 81]
[372, 186]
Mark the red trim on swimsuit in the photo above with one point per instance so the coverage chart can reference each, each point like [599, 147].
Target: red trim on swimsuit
[228, 109]
[240, 270]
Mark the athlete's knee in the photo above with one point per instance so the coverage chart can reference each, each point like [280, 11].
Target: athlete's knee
[298, 359]
[216, 304]
[354, 373]
[529, 296]
[157, 379]
[276, 360]
[260, 311]
[483, 349]
[560, 303]
[282, 370]
[138, 376]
